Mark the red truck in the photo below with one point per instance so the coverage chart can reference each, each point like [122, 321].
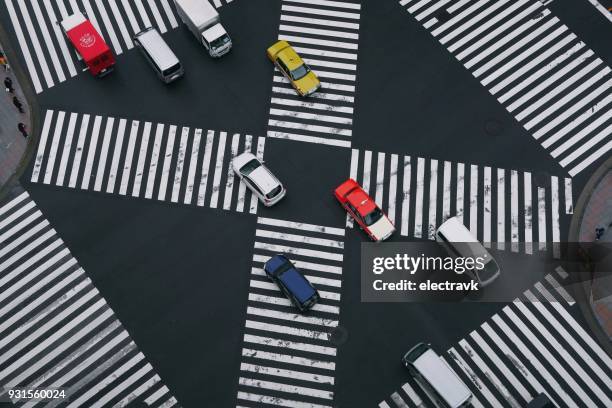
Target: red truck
[89, 44]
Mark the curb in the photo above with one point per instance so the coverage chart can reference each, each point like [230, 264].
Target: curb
[30, 96]
[581, 291]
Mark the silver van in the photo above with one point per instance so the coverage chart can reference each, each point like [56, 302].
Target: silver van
[436, 378]
[159, 55]
[460, 242]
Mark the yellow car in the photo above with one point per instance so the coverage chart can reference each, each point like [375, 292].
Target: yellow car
[294, 68]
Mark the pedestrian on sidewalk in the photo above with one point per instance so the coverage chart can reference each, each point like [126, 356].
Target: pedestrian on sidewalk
[18, 104]
[8, 84]
[22, 128]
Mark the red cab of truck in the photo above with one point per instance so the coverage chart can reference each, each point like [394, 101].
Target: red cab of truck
[89, 44]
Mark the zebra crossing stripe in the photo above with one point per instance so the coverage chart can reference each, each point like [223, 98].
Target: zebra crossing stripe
[433, 194]
[486, 213]
[528, 206]
[565, 355]
[473, 199]
[34, 343]
[548, 356]
[41, 22]
[54, 145]
[192, 166]
[103, 154]
[321, 47]
[489, 374]
[576, 327]
[205, 167]
[91, 152]
[535, 384]
[460, 191]
[229, 186]
[471, 375]
[156, 151]
[127, 167]
[506, 372]
[180, 163]
[495, 192]
[27, 56]
[166, 166]
[44, 134]
[535, 67]
[122, 27]
[218, 165]
[271, 320]
[534, 361]
[110, 187]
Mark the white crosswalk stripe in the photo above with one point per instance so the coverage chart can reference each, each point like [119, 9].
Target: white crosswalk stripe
[516, 52]
[55, 328]
[285, 352]
[432, 191]
[530, 348]
[325, 34]
[42, 41]
[165, 162]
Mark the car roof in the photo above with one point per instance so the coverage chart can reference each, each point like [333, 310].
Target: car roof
[157, 48]
[243, 159]
[84, 36]
[438, 374]
[297, 284]
[276, 262]
[264, 179]
[361, 201]
[291, 59]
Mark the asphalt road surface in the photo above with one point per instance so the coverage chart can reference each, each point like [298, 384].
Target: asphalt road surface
[132, 180]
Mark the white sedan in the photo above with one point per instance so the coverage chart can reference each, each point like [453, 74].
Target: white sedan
[258, 178]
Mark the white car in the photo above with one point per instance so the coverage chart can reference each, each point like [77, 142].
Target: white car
[258, 178]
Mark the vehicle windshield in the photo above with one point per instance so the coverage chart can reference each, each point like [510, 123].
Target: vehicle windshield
[417, 352]
[300, 72]
[373, 216]
[175, 68]
[250, 166]
[274, 192]
[220, 42]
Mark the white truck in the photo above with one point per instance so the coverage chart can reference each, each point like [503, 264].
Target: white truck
[203, 21]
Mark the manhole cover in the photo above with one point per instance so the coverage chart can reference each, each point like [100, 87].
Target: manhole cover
[338, 335]
[493, 127]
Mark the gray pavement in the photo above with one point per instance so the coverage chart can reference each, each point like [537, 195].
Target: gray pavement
[12, 143]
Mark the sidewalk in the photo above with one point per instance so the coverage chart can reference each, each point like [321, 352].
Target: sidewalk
[593, 211]
[12, 143]
[598, 214]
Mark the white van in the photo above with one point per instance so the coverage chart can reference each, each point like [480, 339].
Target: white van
[159, 54]
[436, 378]
[460, 242]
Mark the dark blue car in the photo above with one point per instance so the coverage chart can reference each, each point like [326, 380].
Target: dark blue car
[292, 282]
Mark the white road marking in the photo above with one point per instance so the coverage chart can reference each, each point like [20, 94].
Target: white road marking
[142, 156]
[180, 164]
[127, 161]
[108, 132]
[195, 149]
[110, 187]
[93, 142]
[159, 133]
[418, 207]
[57, 134]
[163, 186]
